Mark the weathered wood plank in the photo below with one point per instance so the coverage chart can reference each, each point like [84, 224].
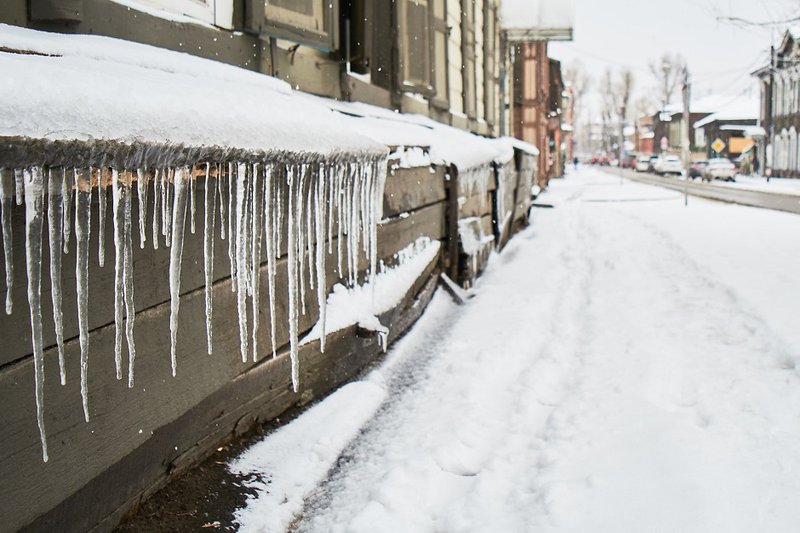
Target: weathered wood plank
[477, 205]
[119, 413]
[261, 393]
[412, 188]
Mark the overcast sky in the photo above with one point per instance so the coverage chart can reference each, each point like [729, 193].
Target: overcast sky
[631, 33]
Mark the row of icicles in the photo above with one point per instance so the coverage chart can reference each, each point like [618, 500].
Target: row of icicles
[261, 206]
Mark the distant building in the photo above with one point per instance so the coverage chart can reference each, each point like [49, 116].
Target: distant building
[734, 126]
[537, 92]
[779, 113]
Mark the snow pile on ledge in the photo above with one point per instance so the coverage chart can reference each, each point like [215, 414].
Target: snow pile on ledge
[506, 145]
[362, 304]
[537, 14]
[85, 87]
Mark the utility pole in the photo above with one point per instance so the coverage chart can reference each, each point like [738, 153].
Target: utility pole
[686, 89]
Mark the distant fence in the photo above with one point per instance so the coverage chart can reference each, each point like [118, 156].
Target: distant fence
[138, 438]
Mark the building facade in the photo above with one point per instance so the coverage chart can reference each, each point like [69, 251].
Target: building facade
[439, 58]
[779, 84]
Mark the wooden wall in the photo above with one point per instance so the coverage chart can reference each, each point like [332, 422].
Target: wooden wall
[140, 438]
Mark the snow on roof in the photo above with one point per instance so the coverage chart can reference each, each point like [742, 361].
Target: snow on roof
[740, 108]
[749, 131]
[448, 145]
[556, 17]
[81, 87]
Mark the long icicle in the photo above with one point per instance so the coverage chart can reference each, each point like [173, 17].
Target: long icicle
[127, 263]
[55, 220]
[209, 215]
[68, 183]
[34, 214]
[269, 233]
[156, 207]
[320, 237]
[301, 235]
[101, 226]
[255, 235]
[117, 192]
[175, 258]
[241, 256]
[231, 227]
[192, 206]
[83, 217]
[292, 274]
[222, 202]
[6, 200]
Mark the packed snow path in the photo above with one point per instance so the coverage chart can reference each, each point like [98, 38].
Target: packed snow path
[628, 364]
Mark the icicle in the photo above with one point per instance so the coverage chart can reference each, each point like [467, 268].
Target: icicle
[292, 274]
[103, 204]
[330, 207]
[83, 212]
[231, 227]
[255, 235]
[55, 219]
[269, 233]
[222, 202]
[68, 183]
[310, 233]
[130, 308]
[301, 235]
[340, 218]
[6, 192]
[19, 184]
[175, 258]
[164, 201]
[241, 256]
[192, 207]
[118, 214]
[319, 227]
[209, 203]
[169, 205]
[34, 210]
[141, 188]
[156, 207]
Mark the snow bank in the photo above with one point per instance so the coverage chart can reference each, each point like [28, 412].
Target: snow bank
[116, 90]
[362, 304]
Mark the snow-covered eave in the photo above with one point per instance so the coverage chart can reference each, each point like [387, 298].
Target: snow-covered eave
[128, 95]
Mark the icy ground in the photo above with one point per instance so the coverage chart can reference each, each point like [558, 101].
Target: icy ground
[628, 364]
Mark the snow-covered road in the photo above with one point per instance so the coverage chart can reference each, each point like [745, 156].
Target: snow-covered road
[628, 364]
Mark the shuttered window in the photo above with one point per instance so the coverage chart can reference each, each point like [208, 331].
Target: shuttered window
[439, 63]
[468, 53]
[415, 46]
[491, 67]
[310, 22]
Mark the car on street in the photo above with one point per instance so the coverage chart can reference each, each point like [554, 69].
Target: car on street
[720, 168]
[651, 165]
[643, 163]
[697, 168]
[670, 164]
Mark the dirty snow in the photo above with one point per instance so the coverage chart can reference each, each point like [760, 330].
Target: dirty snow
[628, 364]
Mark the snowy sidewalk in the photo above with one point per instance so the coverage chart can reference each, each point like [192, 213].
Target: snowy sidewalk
[627, 365]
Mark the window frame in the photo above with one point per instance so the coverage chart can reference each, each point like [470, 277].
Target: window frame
[283, 23]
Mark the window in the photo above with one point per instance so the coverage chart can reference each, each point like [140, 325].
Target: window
[439, 63]
[310, 22]
[219, 12]
[468, 55]
[415, 46]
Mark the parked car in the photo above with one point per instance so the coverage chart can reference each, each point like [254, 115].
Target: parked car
[697, 168]
[720, 168]
[600, 159]
[643, 163]
[651, 165]
[670, 164]
[629, 161]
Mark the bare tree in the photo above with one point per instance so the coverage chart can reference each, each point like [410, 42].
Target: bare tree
[578, 79]
[623, 92]
[667, 71]
[608, 107]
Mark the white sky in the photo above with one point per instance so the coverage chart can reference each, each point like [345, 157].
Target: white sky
[631, 33]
